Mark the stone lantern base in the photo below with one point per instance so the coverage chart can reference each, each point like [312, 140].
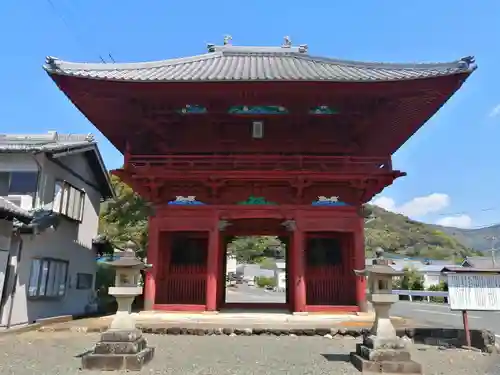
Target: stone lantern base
[119, 350]
[384, 357]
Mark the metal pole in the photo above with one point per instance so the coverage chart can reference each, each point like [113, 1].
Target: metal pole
[465, 320]
[492, 249]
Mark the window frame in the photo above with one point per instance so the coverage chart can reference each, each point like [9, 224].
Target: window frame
[42, 281]
[33, 194]
[80, 276]
[64, 204]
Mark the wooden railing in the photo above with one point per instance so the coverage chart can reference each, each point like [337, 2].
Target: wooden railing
[264, 162]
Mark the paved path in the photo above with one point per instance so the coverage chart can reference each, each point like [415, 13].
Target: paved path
[440, 315]
[57, 353]
[247, 294]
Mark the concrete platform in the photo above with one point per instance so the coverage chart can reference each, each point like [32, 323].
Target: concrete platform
[158, 321]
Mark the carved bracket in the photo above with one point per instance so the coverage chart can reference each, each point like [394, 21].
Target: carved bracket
[223, 224]
[290, 225]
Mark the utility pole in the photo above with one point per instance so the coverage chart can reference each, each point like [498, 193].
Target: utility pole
[492, 249]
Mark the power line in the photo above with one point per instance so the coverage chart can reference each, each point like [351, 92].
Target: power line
[69, 29]
[470, 212]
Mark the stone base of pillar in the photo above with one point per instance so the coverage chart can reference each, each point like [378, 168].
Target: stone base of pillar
[119, 350]
[384, 357]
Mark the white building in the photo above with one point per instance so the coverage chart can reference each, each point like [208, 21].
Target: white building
[230, 265]
[51, 273]
[280, 276]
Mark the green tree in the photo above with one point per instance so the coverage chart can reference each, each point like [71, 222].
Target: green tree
[253, 249]
[125, 218]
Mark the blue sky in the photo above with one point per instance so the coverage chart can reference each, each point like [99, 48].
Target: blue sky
[452, 163]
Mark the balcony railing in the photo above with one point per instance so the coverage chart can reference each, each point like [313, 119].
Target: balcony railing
[259, 162]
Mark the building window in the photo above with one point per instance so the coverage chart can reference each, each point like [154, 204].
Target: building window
[18, 183]
[84, 280]
[48, 278]
[68, 200]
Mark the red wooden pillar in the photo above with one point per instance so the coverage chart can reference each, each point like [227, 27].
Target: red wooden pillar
[212, 269]
[152, 258]
[298, 284]
[359, 264]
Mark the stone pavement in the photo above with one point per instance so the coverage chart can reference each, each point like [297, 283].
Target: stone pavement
[43, 353]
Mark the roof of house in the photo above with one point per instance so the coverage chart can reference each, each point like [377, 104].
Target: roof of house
[10, 211]
[238, 63]
[481, 263]
[58, 145]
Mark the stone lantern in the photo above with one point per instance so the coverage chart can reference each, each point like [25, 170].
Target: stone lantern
[122, 346]
[382, 351]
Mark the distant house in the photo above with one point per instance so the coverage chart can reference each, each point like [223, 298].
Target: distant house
[230, 265]
[250, 271]
[430, 269]
[481, 262]
[280, 276]
[54, 270]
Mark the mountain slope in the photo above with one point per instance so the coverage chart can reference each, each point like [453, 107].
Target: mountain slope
[398, 234]
[478, 239]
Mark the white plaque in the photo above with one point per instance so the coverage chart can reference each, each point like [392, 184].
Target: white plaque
[474, 291]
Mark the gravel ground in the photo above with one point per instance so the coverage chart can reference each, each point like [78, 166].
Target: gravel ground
[57, 353]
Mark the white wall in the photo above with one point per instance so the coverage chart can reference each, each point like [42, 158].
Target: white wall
[433, 278]
[52, 244]
[230, 264]
[280, 279]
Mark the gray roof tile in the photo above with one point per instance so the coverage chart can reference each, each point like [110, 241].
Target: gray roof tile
[482, 262]
[230, 63]
[9, 209]
[50, 142]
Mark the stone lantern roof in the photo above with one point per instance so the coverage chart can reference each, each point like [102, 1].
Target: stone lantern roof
[127, 258]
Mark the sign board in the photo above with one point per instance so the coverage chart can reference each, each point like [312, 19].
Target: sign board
[474, 291]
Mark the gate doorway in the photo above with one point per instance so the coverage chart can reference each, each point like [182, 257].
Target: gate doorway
[255, 266]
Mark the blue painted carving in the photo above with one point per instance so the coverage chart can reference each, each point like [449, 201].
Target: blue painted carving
[328, 201]
[257, 110]
[185, 201]
[192, 109]
[323, 110]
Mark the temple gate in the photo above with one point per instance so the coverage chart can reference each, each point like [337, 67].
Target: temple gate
[255, 141]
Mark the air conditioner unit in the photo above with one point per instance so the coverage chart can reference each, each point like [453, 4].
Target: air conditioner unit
[23, 201]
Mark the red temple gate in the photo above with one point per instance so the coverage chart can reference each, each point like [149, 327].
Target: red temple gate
[256, 141]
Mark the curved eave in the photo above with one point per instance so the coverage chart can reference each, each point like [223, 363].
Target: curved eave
[257, 67]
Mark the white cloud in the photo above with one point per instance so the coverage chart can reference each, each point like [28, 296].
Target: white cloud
[385, 203]
[417, 207]
[459, 221]
[420, 206]
[495, 111]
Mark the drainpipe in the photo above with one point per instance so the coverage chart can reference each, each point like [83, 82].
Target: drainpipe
[14, 287]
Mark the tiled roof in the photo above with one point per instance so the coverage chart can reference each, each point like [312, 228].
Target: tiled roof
[481, 262]
[233, 63]
[11, 211]
[50, 142]
[55, 143]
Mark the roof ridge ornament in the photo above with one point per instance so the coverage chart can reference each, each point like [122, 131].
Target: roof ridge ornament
[227, 40]
[287, 42]
[303, 48]
[468, 62]
[52, 62]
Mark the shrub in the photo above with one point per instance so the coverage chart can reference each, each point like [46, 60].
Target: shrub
[263, 281]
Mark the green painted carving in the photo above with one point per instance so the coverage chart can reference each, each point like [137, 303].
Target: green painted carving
[323, 110]
[257, 110]
[192, 109]
[256, 201]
